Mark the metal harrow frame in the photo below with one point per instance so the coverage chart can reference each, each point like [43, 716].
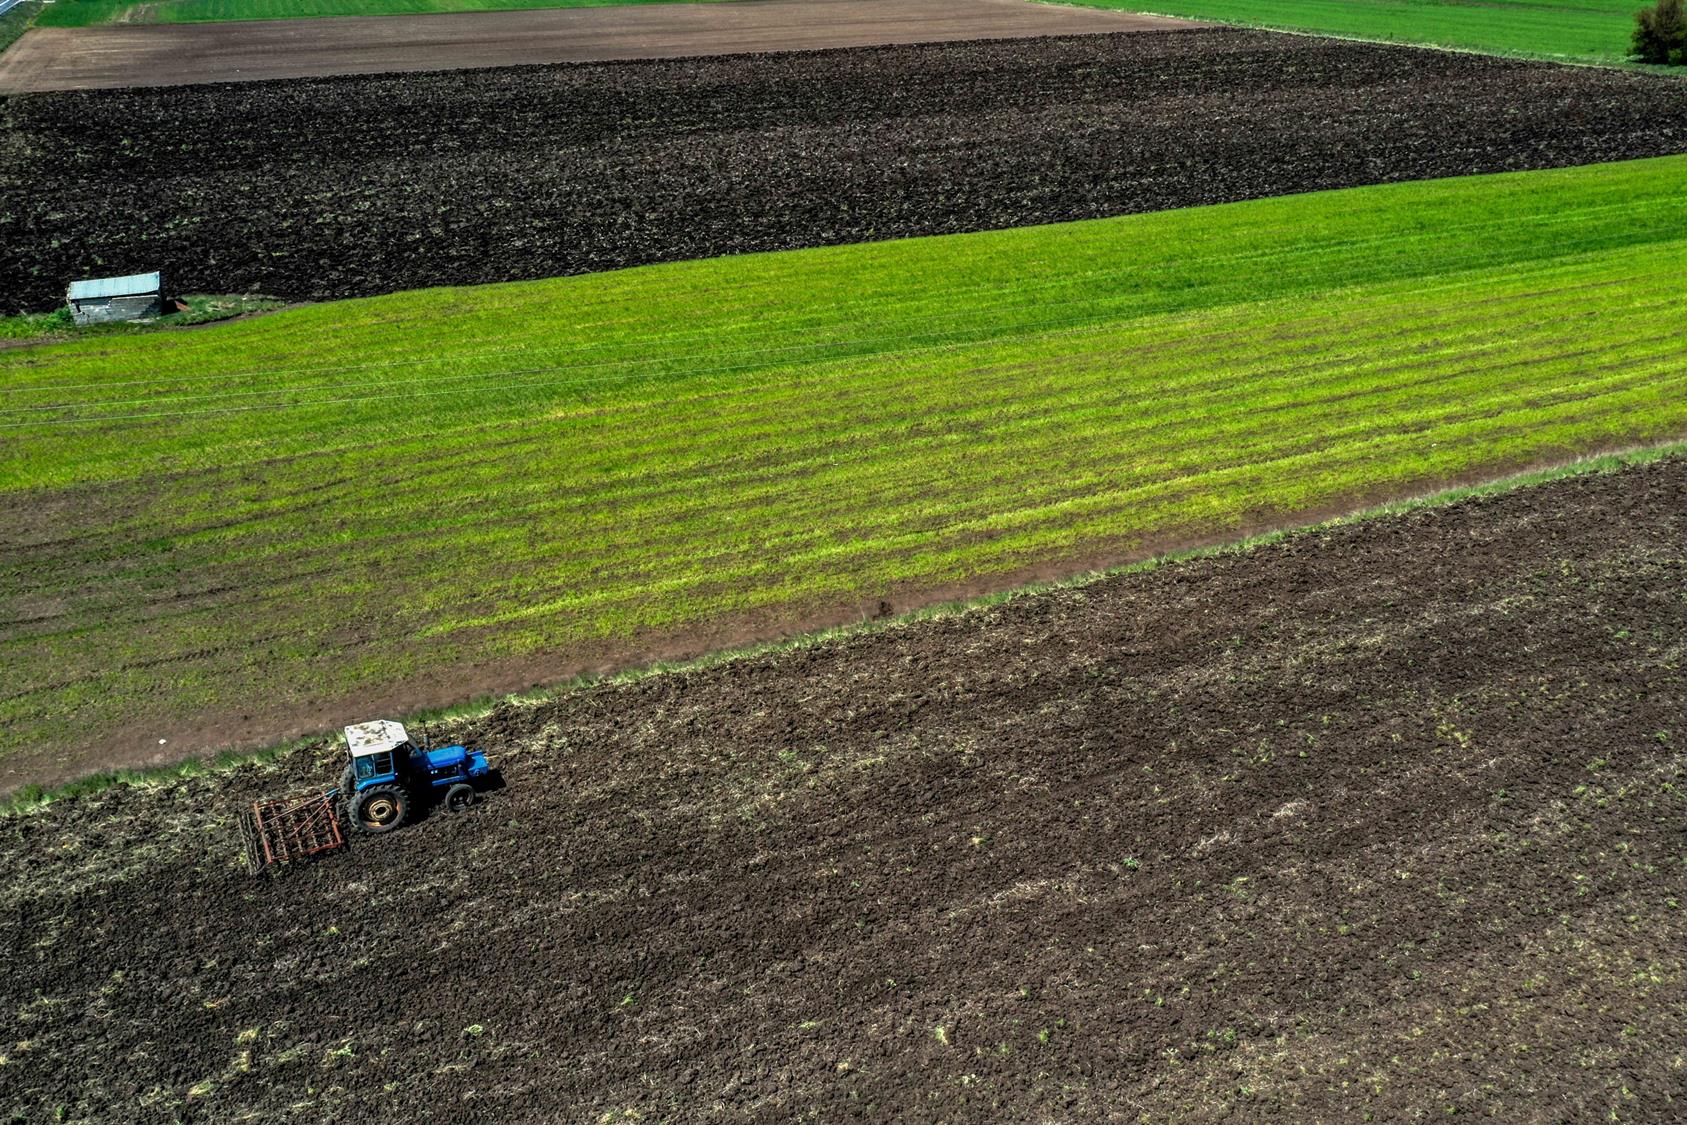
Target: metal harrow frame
[289, 829]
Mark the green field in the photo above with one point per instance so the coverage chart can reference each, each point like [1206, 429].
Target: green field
[1586, 30]
[401, 498]
[86, 13]
[202, 308]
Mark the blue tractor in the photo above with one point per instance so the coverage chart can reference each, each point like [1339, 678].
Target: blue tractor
[389, 776]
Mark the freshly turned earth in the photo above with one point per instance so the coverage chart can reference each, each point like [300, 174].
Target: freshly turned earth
[339, 187]
[1385, 819]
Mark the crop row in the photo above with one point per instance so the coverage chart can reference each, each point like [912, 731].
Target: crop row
[575, 469]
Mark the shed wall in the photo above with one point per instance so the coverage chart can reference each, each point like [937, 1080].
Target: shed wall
[106, 310]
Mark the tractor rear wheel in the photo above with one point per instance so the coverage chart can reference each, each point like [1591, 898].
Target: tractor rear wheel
[460, 797]
[381, 808]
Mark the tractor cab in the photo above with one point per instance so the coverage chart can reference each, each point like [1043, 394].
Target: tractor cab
[379, 751]
[388, 775]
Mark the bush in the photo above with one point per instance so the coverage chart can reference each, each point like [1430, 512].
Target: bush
[30, 325]
[1660, 33]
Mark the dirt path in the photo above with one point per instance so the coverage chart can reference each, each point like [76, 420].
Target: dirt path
[1378, 823]
[178, 54]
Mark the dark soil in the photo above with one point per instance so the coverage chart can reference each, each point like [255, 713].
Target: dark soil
[339, 187]
[1382, 820]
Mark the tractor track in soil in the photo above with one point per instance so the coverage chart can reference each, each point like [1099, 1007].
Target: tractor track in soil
[352, 186]
[1381, 818]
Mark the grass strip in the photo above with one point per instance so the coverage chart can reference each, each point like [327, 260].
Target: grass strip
[30, 798]
[1594, 31]
[202, 308]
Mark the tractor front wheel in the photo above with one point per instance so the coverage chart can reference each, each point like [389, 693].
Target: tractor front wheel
[381, 808]
[460, 796]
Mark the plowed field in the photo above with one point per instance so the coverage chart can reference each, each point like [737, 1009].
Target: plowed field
[354, 186]
[65, 57]
[1383, 820]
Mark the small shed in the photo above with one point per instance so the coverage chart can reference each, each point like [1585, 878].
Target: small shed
[101, 300]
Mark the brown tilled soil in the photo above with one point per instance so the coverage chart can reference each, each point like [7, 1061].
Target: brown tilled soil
[1384, 822]
[345, 187]
[83, 58]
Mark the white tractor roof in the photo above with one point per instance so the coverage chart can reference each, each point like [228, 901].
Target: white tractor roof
[375, 736]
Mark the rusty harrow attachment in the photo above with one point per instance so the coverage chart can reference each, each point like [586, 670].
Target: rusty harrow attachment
[289, 829]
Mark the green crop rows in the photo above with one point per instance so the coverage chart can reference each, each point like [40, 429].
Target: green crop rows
[1589, 30]
[369, 497]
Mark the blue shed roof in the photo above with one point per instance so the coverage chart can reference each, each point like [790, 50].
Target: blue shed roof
[114, 286]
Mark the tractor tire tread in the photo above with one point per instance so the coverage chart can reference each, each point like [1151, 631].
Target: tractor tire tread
[397, 793]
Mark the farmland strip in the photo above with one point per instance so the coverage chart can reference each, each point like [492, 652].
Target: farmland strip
[544, 171]
[514, 521]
